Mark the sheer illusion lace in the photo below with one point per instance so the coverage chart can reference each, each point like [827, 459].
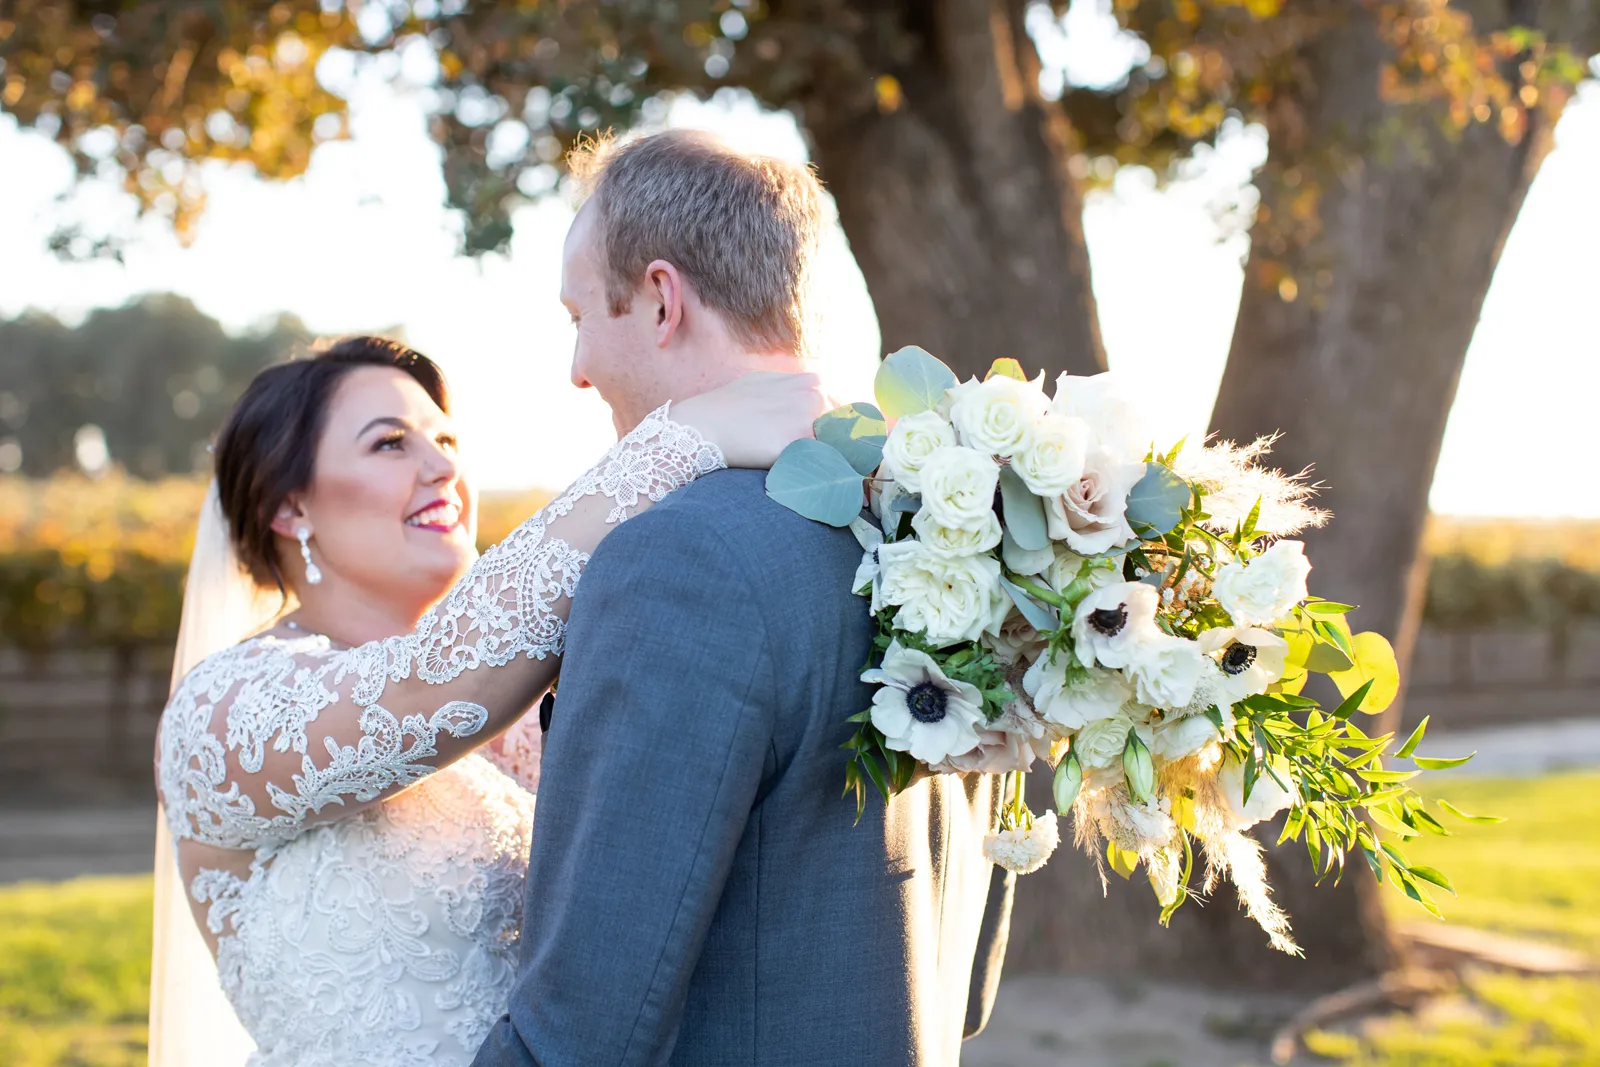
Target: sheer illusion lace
[375, 925]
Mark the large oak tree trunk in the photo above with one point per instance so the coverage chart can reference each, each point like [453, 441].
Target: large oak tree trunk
[954, 193]
[1350, 338]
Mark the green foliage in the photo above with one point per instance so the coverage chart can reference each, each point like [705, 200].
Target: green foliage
[75, 973]
[156, 376]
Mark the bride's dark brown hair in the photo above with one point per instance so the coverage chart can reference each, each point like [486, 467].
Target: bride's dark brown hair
[267, 448]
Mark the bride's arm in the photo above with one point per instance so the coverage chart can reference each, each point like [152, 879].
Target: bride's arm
[255, 746]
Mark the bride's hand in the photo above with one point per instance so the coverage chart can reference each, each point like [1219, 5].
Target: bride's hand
[754, 417]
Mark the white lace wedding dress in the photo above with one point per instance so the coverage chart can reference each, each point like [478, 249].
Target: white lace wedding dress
[384, 935]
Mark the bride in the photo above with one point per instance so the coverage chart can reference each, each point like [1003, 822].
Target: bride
[348, 802]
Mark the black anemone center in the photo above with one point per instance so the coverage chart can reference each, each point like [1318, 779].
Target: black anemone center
[1238, 658]
[1109, 621]
[927, 703]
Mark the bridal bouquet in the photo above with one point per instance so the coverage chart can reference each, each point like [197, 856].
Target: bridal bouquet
[1050, 588]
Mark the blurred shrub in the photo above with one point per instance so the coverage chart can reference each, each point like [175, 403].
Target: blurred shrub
[101, 562]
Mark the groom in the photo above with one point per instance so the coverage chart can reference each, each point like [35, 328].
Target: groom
[697, 892]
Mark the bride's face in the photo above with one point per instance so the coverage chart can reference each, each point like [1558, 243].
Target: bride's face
[391, 514]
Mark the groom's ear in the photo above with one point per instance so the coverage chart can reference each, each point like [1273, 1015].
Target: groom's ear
[666, 290]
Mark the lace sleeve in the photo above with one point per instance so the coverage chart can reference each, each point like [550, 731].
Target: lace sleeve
[273, 734]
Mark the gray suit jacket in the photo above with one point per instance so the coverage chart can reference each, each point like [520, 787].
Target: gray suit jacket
[697, 893]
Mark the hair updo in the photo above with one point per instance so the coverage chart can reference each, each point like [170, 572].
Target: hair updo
[267, 448]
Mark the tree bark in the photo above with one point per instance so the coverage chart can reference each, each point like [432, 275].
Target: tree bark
[953, 189]
[1350, 338]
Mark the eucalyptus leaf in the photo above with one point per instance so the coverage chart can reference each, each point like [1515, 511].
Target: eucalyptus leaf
[868, 536]
[814, 480]
[1156, 501]
[910, 381]
[1328, 607]
[1019, 560]
[1068, 780]
[1040, 616]
[1024, 512]
[858, 432]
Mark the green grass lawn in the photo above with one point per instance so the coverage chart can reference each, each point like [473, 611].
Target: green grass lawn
[75, 956]
[1535, 876]
[75, 973]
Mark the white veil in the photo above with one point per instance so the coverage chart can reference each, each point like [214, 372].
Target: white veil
[191, 1021]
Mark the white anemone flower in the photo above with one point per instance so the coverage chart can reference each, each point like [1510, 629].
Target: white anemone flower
[1248, 659]
[1112, 622]
[922, 711]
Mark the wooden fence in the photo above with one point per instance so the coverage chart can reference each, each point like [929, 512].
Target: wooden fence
[75, 716]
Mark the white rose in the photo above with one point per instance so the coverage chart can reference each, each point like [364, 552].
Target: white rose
[1178, 738]
[920, 710]
[1248, 661]
[1091, 516]
[960, 541]
[1097, 695]
[1165, 670]
[1111, 622]
[1100, 743]
[880, 561]
[997, 416]
[1052, 462]
[913, 439]
[1265, 589]
[947, 599]
[1267, 798]
[1117, 419]
[958, 487]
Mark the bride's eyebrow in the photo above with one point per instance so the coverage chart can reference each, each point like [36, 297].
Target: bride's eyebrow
[384, 420]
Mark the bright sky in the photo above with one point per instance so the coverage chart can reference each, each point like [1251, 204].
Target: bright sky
[361, 242]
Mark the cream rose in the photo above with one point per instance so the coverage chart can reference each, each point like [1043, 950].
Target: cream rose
[958, 487]
[960, 541]
[947, 599]
[913, 439]
[1052, 462]
[997, 416]
[1265, 589]
[1091, 516]
[1068, 567]
[1089, 697]
[1100, 744]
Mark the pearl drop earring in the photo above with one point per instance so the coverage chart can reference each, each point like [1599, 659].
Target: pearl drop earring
[313, 572]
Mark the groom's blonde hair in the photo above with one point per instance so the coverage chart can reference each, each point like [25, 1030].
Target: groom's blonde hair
[742, 228]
